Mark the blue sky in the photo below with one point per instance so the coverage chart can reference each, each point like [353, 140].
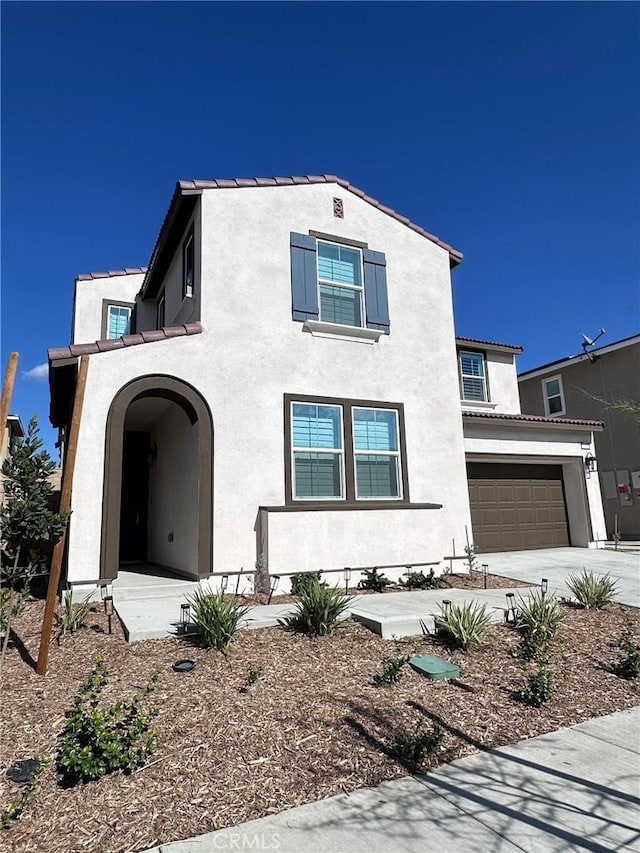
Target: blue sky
[510, 130]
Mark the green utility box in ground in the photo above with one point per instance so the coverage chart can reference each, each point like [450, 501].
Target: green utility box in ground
[434, 667]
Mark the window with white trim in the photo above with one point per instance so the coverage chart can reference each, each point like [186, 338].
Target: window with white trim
[118, 321]
[376, 453]
[318, 451]
[340, 284]
[473, 379]
[553, 396]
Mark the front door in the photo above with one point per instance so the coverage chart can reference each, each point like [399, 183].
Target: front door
[135, 497]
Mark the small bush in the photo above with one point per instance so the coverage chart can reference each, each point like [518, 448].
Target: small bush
[301, 580]
[418, 580]
[538, 687]
[628, 663]
[592, 591]
[390, 671]
[216, 619]
[98, 740]
[252, 674]
[413, 748]
[73, 616]
[464, 624]
[472, 560]
[539, 617]
[319, 610]
[375, 580]
[13, 811]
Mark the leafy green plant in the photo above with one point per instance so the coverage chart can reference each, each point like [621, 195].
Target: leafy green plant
[413, 748]
[390, 670]
[628, 663]
[13, 811]
[373, 579]
[301, 581]
[97, 740]
[472, 562]
[538, 687]
[73, 616]
[592, 591]
[463, 625]
[252, 674]
[418, 580]
[319, 610]
[216, 618]
[538, 619]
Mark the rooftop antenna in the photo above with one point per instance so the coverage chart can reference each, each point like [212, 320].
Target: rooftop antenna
[589, 342]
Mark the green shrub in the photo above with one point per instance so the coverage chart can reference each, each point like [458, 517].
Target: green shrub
[216, 618]
[412, 748]
[472, 560]
[418, 580]
[539, 617]
[319, 610]
[97, 740]
[390, 670]
[252, 674]
[301, 580]
[628, 663]
[538, 687]
[463, 624]
[73, 616]
[592, 591]
[373, 579]
[13, 811]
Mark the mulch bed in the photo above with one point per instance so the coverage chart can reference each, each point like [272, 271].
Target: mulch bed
[314, 724]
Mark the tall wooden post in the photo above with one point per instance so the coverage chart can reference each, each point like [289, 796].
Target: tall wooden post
[65, 505]
[7, 392]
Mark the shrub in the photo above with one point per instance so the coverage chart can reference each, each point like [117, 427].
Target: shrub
[13, 811]
[412, 748]
[539, 617]
[472, 561]
[390, 670]
[373, 579]
[628, 663]
[418, 580]
[73, 616]
[301, 580]
[319, 610]
[97, 740]
[252, 674]
[463, 624]
[215, 618]
[592, 591]
[538, 687]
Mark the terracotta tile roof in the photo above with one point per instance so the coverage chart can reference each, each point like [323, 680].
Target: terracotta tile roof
[514, 347]
[87, 276]
[57, 353]
[297, 180]
[541, 419]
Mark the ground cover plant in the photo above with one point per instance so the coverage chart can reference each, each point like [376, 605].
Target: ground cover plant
[591, 590]
[628, 663]
[313, 725]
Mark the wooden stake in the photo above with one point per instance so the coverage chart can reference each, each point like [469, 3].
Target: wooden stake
[65, 505]
[7, 392]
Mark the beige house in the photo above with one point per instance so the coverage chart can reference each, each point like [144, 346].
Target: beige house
[589, 385]
[284, 380]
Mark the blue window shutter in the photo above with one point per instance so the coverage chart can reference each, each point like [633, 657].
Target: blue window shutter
[304, 277]
[375, 290]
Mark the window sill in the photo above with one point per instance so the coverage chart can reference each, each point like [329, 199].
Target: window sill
[478, 404]
[345, 333]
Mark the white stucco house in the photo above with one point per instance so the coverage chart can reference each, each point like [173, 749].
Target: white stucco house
[284, 380]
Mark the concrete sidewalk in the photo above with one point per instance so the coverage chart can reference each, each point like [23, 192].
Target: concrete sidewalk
[572, 790]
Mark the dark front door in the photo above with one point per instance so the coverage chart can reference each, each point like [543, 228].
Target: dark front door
[135, 497]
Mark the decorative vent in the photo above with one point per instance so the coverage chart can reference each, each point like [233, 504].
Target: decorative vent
[338, 208]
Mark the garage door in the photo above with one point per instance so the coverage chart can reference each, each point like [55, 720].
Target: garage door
[517, 507]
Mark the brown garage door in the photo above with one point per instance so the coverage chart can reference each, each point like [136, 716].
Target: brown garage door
[517, 507]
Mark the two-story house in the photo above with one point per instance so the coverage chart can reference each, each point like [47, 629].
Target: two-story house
[284, 380]
[598, 383]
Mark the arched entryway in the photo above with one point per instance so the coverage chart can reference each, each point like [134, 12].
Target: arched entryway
[158, 483]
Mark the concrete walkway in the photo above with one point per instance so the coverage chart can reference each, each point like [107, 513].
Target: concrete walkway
[576, 789]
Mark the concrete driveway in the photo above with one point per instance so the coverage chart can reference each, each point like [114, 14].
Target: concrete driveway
[556, 564]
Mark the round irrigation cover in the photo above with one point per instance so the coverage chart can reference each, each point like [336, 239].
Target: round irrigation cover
[183, 665]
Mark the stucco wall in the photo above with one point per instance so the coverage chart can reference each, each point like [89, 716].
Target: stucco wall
[89, 296]
[503, 382]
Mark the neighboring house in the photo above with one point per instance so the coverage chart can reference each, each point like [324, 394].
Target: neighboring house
[589, 385]
[291, 388]
[12, 431]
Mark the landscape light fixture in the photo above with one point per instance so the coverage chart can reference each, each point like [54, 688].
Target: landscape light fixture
[446, 607]
[485, 569]
[590, 464]
[224, 583]
[275, 580]
[544, 586]
[347, 578]
[108, 609]
[105, 590]
[185, 616]
[511, 607]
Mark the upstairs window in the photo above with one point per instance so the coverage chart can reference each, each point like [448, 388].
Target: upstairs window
[473, 381]
[553, 396]
[341, 294]
[117, 321]
[188, 265]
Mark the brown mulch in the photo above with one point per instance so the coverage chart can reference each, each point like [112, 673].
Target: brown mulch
[314, 724]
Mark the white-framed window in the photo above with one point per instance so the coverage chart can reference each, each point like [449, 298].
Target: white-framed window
[376, 454]
[317, 450]
[118, 321]
[340, 284]
[473, 378]
[553, 396]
